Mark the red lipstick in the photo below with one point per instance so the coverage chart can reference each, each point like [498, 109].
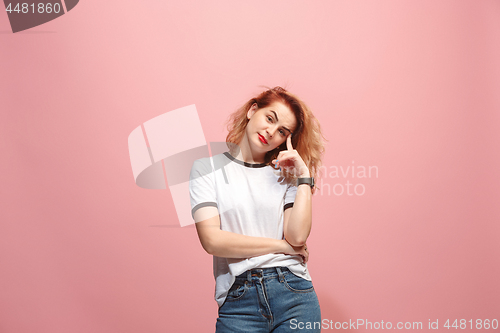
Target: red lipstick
[262, 139]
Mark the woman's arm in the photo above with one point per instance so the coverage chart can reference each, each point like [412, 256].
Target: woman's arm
[298, 219]
[227, 244]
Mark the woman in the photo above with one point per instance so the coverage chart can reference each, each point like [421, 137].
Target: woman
[252, 208]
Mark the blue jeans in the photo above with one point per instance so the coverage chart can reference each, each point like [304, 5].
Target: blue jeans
[270, 300]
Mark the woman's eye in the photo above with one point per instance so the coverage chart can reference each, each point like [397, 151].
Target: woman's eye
[282, 132]
[269, 119]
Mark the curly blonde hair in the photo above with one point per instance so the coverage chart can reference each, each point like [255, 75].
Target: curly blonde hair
[306, 139]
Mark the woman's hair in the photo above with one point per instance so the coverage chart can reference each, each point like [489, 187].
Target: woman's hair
[306, 139]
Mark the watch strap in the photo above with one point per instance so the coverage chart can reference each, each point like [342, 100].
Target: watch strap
[306, 180]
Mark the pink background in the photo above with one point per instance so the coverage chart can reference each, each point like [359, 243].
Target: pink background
[411, 87]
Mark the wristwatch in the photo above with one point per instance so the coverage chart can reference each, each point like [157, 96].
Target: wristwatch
[309, 181]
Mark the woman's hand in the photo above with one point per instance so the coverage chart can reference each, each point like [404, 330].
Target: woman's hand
[291, 160]
[297, 250]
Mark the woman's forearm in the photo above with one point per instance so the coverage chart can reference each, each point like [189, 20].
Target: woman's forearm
[227, 244]
[298, 226]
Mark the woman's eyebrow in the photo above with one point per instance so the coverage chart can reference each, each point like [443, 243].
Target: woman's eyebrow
[276, 116]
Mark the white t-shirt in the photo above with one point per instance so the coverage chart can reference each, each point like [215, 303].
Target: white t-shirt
[251, 199]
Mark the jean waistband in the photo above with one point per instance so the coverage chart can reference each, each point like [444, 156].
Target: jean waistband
[263, 272]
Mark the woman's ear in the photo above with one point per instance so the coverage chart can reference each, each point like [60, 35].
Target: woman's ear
[252, 110]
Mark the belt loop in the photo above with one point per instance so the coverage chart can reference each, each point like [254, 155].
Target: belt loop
[280, 274]
[249, 275]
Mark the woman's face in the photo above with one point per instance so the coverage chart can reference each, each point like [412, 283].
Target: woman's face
[269, 127]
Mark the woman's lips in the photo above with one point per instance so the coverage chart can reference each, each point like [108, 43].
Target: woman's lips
[262, 139]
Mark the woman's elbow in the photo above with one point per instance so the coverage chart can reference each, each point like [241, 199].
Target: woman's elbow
[296, 241]
[208, 246]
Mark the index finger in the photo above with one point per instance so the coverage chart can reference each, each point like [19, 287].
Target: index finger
[289, 142]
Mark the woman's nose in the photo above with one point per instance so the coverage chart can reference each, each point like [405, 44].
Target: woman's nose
[271, 131]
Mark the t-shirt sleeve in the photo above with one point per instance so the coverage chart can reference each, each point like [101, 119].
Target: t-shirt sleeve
[202, 185]
[291, 191]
